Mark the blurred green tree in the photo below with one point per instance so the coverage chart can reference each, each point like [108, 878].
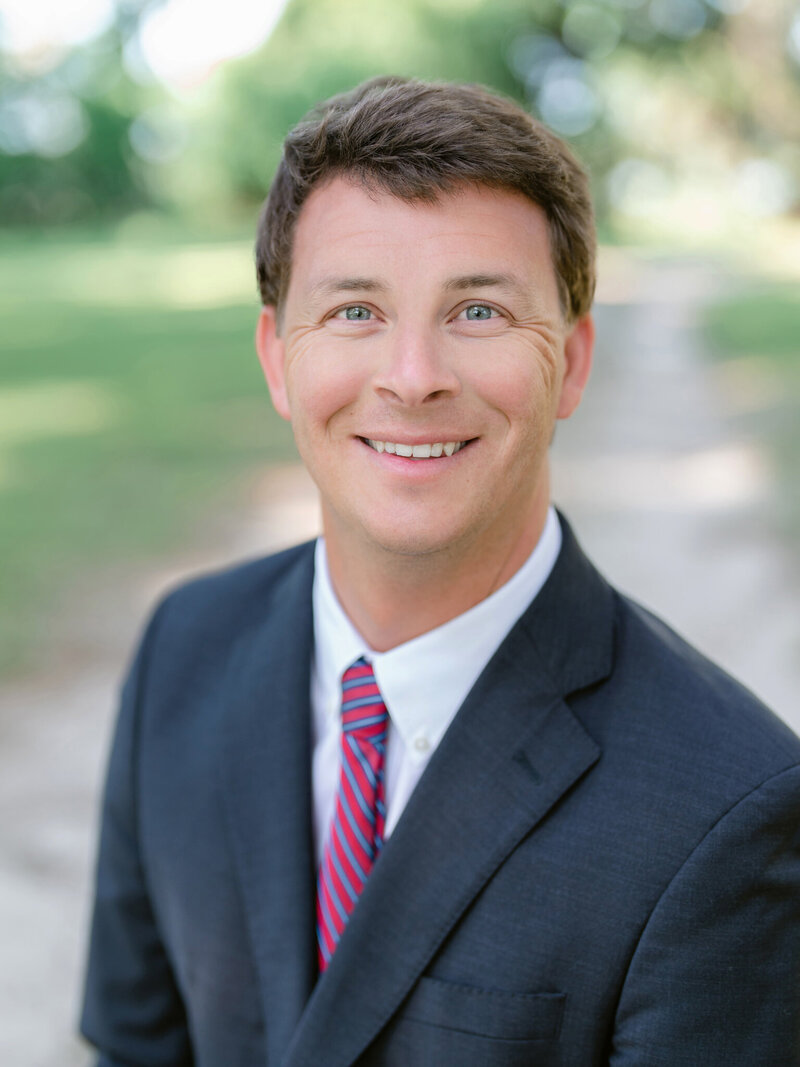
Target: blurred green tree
[659, 86]
[65, 120]
[646, 89]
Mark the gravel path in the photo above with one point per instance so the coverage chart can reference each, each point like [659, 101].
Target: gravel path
[668, 499]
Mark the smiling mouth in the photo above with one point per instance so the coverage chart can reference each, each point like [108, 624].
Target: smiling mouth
[434, 450]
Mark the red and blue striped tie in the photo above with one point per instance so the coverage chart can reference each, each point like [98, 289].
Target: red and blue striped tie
[356, 833]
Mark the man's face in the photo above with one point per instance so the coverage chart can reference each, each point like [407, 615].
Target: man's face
[430, 329]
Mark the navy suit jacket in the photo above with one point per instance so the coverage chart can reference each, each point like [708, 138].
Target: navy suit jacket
[600, 865]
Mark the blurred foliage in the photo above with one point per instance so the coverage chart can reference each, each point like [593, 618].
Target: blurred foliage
[65, 151]
[646, 89]
[669, 82]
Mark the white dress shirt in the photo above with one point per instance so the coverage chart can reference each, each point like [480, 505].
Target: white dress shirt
[423, 682]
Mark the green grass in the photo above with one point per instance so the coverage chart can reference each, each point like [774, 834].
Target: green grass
[130, 401]
[764, 321]
[759, 327]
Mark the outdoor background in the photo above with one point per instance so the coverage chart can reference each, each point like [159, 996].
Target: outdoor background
[137, 444]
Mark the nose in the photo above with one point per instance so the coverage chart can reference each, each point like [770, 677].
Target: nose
[416, 369]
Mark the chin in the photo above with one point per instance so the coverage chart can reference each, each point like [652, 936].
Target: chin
[412, 547]
[411, 541]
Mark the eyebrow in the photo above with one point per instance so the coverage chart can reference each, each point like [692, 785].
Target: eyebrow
[328, 286]
[484, 281]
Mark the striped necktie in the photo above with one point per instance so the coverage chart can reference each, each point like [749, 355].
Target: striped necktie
[356, 832]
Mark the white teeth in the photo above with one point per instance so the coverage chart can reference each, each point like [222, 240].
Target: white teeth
[426, 451]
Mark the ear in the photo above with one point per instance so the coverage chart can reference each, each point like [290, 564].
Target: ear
[270, 348]
[578, 347]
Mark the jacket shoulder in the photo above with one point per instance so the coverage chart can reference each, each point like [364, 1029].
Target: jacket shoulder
[676, 692]
[202, 619]
[241, 584]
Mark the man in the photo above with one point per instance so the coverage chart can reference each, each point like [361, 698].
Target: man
[541, 830]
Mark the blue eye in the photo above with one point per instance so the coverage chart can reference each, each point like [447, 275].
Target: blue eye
[478, 312]
[356, 313]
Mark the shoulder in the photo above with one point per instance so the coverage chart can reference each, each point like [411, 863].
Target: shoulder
[203, 619]
[688, 719]
[242, 588]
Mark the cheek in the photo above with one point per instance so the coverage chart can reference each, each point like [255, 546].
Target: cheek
[322, 382]
[522, 387]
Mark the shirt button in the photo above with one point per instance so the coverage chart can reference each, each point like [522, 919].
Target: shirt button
[421, 743]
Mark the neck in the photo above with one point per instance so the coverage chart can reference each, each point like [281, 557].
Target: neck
[391, 598]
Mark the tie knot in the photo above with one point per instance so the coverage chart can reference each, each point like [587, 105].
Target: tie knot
[363, 710]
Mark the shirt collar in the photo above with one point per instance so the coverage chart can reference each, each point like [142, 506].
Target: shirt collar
[425, 681]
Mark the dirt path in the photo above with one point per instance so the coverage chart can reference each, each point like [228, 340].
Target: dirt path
[668, 500]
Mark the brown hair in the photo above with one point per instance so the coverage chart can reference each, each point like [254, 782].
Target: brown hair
[418, 140]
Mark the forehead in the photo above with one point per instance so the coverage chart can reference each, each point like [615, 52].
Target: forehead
[346, 227]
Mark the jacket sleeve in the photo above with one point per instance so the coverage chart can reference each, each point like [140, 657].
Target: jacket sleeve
[132, 1011]
[715, 979]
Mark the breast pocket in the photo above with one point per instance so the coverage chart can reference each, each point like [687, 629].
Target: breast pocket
[446, 1024]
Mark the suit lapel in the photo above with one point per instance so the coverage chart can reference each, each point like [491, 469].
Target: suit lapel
[510, 754]
[266, 780]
